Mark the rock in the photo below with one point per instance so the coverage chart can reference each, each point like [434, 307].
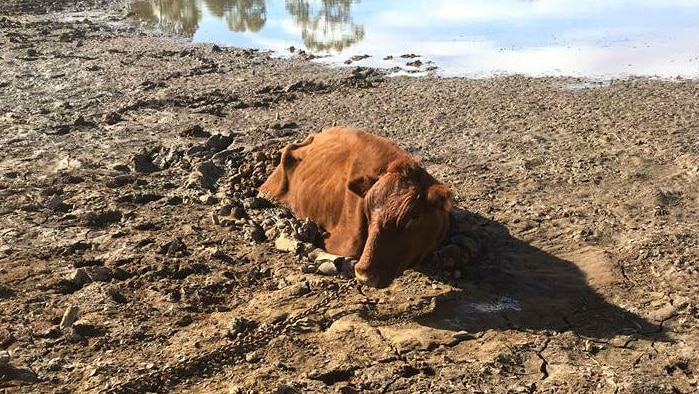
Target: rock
[55, 364]
[298, 289]
[69, 317]
[287, 244]
[256, 233]
[85, 328]
[463, 335]
[98, 273]
[327, 268]
[174, 248]
[323, 257]
[195, 131]
[306, 231]
[143, 162]
[218, 142]
[85, 275]
[309, 268]
[80, 121]
[80, 277]
[239, 325]
[102, 218]
[5, 357]
[111, 118]
[256, 203]
[184, 321]
[205, 175]
[253, 356]
[347, 267]
[208, 199]
[55, 203]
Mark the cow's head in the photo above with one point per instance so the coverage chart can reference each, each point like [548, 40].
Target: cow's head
[407, 212]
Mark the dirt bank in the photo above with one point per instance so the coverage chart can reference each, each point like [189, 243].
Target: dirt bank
[127, 190]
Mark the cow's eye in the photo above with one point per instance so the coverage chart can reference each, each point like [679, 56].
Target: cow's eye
[411, 223]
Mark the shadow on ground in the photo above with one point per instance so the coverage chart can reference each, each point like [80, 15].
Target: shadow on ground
[514, 285]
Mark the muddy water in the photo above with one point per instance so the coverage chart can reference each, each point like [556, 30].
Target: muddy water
[463, 38]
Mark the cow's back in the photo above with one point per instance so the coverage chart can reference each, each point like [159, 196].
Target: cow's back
[315, 177]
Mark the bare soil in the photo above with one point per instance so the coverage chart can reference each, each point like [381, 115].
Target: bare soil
[135, 256]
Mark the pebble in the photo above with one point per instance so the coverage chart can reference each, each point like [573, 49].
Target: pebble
[309, 268]
[286, 244]
[54, 364]
[95, 273]
[323, 257]
[69, 317]
[256, 233]
[143, 162]
[255, 203]
[239, 325]
[5, 357]
[253, 356]
[111, 118]
[462, 335]
[299, 289]
[218, 142]
[327, 268]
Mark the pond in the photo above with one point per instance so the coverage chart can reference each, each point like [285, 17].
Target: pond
[472, 38]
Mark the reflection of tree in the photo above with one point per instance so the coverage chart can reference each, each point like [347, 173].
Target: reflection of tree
[241, 15]
[174, 16]
[326, 26]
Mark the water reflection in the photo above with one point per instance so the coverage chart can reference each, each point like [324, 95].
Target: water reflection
[173, 16]
[240, 15]
[476, 38]
[326, 26]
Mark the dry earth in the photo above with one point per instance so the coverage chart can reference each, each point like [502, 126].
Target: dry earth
[134, 255]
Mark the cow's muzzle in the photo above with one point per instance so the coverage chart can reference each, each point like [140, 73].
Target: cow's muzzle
[370, 279]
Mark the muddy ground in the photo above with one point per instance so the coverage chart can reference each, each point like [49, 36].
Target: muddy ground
[135, 256]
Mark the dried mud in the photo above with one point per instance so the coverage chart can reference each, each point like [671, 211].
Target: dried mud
[135, 256]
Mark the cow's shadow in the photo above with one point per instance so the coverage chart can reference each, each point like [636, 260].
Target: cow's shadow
[513, 285]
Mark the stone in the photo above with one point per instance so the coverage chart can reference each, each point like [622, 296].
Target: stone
[94, 273]
[69, 317]
[98, 273]
[5, 358]
[80, 277]
[327, 268]
[55, 203]
[256, 233]
[218, 142]
[239, 325]
[462, 335]
[205, 175]
[254, 356]
[287, 244]
[256, 203]
[143, 163]
[323, 257]
[306, 231]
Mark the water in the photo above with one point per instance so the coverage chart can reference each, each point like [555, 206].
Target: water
[476, 38]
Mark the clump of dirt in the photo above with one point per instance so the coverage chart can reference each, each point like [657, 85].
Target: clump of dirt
[136, 255]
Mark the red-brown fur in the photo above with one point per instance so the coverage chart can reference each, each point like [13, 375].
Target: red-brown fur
[375, 201]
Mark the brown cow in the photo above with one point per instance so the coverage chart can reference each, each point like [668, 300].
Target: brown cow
[374, 201]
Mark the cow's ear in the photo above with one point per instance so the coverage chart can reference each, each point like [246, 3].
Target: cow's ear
[361, 185]
[439, 196]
